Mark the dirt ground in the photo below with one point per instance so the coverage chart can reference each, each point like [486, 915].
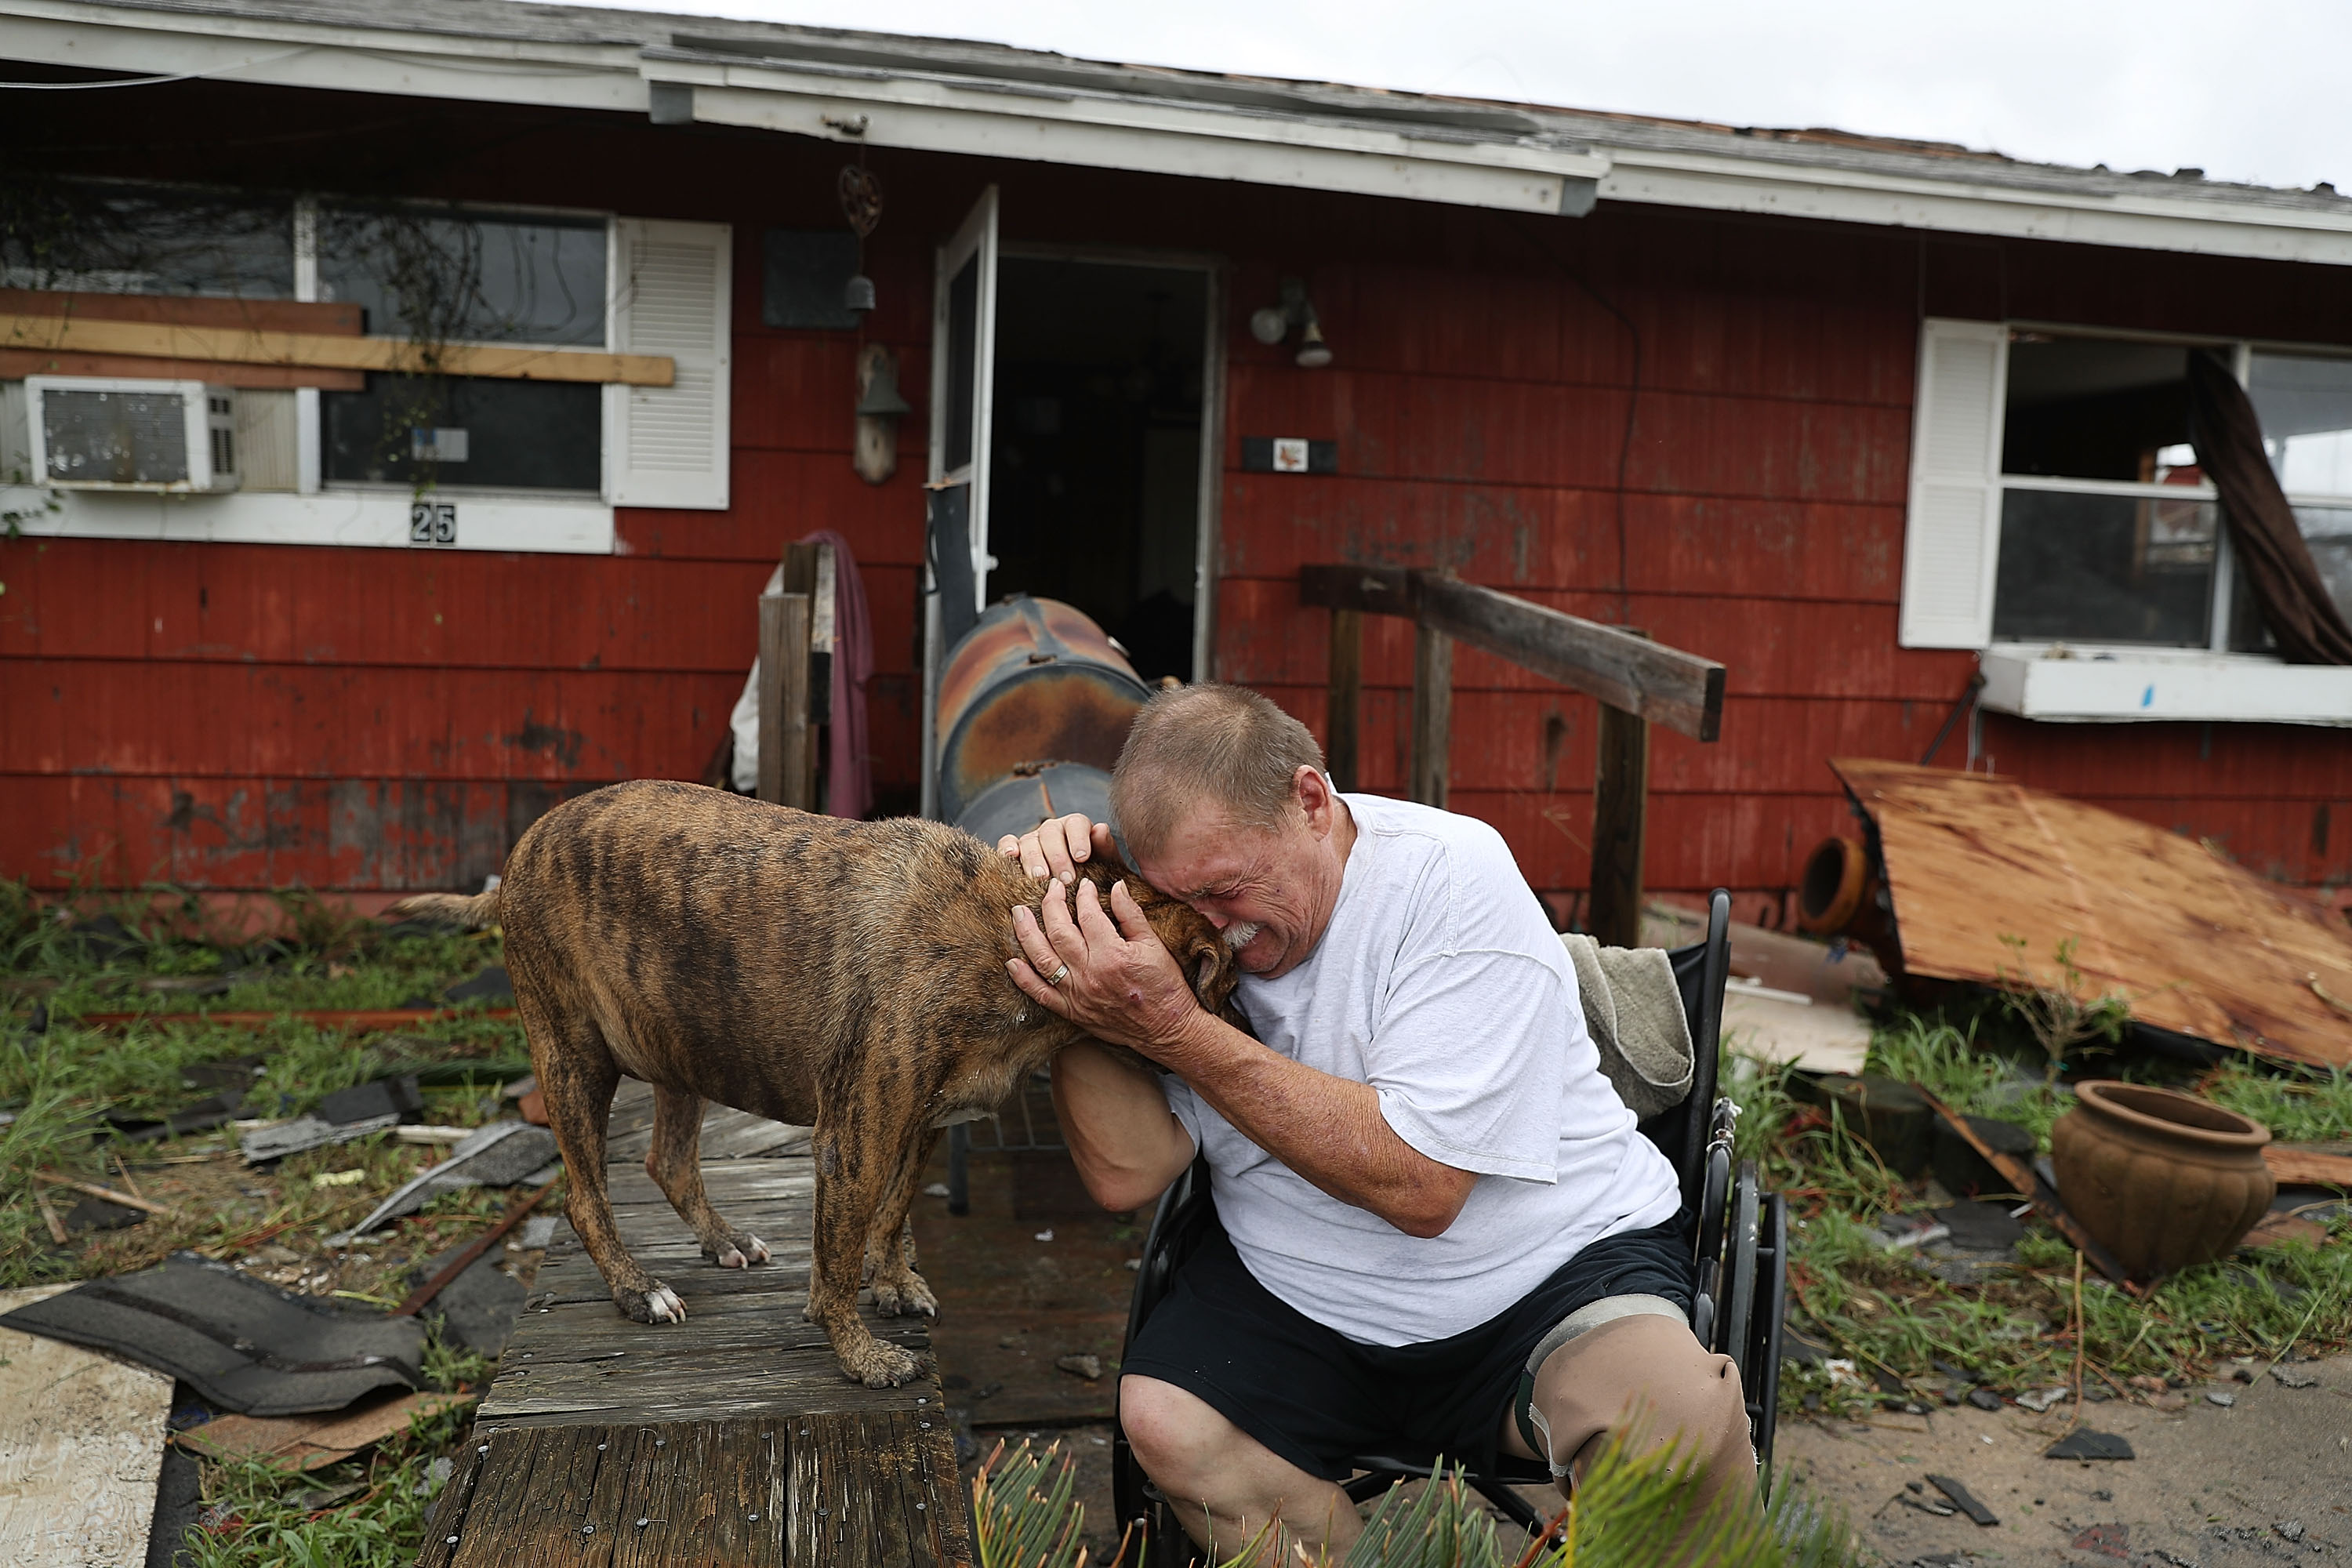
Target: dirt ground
[2268, 1479]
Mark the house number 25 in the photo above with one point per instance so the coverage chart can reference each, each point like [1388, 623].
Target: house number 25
[432, 523]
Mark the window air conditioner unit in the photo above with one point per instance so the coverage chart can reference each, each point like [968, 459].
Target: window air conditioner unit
[105, 433]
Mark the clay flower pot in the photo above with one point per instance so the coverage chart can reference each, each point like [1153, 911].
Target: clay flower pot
[2163, 1179]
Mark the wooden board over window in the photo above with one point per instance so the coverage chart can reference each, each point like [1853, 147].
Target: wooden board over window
[2197, 944]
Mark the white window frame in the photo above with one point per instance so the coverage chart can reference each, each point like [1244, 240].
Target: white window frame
[1951, 559]
[383, 515]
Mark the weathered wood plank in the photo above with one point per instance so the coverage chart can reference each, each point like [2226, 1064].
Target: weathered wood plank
[444, 1525]
[1621, 784]
[1343, 718]
[1664, 684]
[726, 1133]
[1433, 714]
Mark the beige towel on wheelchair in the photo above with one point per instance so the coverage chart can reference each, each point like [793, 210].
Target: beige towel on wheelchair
[1636, 1015]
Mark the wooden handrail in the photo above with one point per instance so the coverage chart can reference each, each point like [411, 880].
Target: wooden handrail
[1663, 685]
[1637, 681]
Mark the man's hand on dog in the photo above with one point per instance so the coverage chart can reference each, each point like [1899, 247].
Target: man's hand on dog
[1122, 985]
[1057, 847]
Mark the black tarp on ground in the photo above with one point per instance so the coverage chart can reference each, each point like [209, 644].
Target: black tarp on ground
[244, 1345]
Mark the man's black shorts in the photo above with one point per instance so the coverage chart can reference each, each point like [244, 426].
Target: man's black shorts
[1316, 1397]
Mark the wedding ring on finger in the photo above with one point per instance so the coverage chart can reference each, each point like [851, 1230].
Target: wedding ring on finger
[1058, 975]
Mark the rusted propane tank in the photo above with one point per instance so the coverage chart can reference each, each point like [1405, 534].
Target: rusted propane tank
[1034, 684]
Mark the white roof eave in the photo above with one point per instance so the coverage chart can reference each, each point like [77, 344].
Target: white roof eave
[1318, 148]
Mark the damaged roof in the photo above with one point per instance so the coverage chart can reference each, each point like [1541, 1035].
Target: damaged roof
[960, 94]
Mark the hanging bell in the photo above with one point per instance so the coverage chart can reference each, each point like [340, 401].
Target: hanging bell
[857, 294]
[881, 395]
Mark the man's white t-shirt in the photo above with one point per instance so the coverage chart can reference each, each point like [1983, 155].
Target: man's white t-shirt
[1440, 983]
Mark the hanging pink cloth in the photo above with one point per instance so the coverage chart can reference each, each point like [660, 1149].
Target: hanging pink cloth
[849, 777]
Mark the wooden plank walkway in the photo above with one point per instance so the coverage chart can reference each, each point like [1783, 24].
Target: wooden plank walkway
[732, 1438]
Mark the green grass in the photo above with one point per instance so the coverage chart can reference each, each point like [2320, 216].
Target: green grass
[2015, 1334]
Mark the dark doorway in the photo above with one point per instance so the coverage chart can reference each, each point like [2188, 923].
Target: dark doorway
[1094, 480]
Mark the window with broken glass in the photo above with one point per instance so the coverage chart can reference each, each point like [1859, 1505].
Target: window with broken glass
[2110, 533]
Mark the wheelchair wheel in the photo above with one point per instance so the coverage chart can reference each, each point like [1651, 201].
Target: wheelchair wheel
[1760, 1379]
[1739, 1266]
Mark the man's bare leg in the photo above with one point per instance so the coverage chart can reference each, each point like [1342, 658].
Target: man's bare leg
[1687, 1394]
[1222, 1482]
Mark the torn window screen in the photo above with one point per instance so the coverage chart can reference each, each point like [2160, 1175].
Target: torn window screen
[460, 276]
[2304, 402]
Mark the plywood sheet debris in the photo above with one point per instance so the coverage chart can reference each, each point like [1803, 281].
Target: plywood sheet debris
[81, 1441]
[2194, 943]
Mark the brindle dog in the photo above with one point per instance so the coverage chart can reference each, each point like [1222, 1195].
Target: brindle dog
[844, 975]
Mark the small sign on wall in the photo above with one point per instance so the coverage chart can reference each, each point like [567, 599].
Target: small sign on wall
[432, 523]
[1288, 454]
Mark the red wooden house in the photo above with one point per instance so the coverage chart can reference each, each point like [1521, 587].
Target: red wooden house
[1858, 418]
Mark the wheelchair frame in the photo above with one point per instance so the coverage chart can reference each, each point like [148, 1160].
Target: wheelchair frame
[1740, 1242]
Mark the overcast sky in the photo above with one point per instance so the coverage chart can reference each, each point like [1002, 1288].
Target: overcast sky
[2246, 89]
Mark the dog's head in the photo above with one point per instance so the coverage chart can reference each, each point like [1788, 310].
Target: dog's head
[1198, 947]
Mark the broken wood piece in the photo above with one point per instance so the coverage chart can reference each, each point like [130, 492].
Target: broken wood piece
[127, 1200]
[2301, 1165]
[1975, 864]
[81, 1443]
[312, 1442]
[58, 1232]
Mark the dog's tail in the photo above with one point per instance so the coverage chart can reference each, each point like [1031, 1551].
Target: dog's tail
[475, 913]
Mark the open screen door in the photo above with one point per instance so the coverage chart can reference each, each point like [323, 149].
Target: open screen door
[964, 364]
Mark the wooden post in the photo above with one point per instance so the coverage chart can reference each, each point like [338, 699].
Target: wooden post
[1432, 714]
[787, 738]
[1621, 782]
[1346, 705]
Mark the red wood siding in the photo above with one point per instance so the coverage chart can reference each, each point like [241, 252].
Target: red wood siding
[236, 717]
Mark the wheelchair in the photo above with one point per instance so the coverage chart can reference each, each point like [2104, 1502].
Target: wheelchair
[1740, 1241]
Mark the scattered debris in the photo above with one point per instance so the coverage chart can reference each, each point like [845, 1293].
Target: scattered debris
[497, 1155]
[1954, 1161]
[1963, 1500]
[477, 1308]
[1984, 1399]
[936, 1189]
[2107, 1539]
[2082, 1443]
[463, 1257]
[244, 1345]
[2202, 947]
[2043, 1399]
[428, 1136]
[98, 1213]
[196, 1116]
[1089, 1367]
[311, 1442]
[2289, 1530]
[1889, 1116]
[275, 1141]
[2220, 1397]
[121, 1199]
[539, 1231]
[397, 1097]
[2293, 1378]
[2309, 1166]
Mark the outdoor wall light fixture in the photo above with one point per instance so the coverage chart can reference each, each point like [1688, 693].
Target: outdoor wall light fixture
[1272, 324]
[880, 406]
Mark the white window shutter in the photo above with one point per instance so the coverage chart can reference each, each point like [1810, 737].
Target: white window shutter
[1952, 540]
[671, 290]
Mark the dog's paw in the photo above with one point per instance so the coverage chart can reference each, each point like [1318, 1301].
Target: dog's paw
[742, 1253]
[878, 1365]
[658, 1305]
[903, 1298]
